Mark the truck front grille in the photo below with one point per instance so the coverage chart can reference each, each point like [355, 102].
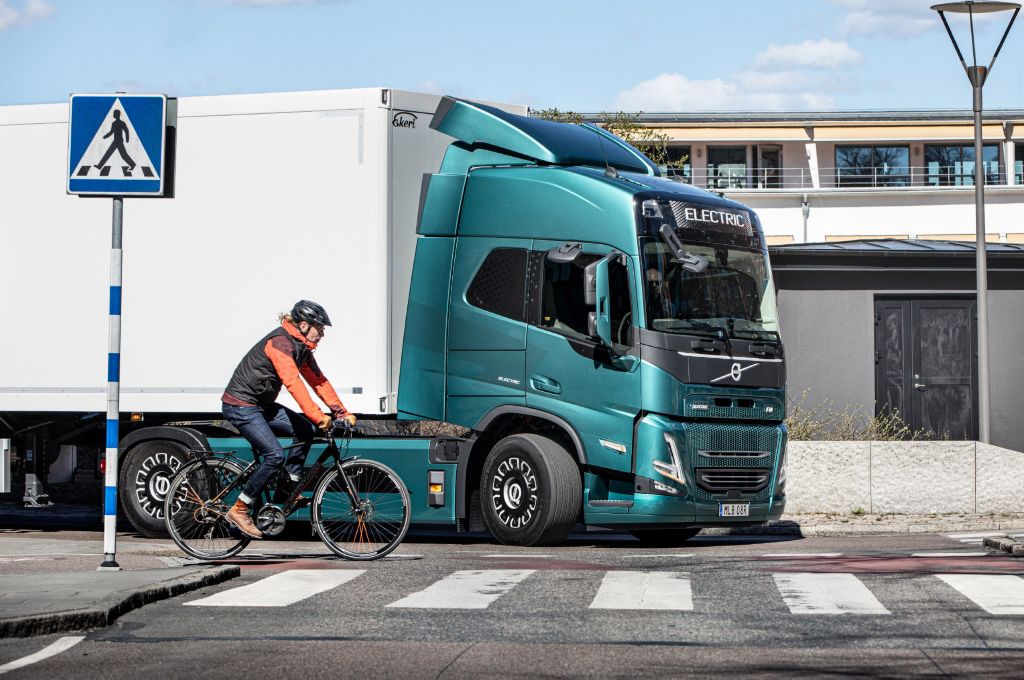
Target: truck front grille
[723, 480]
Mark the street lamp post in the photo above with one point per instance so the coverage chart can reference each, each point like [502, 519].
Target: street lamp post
[977, 75]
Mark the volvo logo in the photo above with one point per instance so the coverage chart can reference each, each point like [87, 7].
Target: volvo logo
[736, 372]
[404, 119]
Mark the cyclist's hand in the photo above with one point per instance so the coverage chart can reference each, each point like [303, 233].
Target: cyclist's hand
[325, 423]
[350, 418]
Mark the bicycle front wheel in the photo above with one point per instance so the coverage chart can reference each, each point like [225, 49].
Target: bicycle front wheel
[374, 527]
[198, 498]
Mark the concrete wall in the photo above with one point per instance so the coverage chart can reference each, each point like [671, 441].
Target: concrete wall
[827, 323]
[903, 477]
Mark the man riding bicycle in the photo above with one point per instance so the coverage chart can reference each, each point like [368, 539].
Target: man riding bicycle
[249, 402]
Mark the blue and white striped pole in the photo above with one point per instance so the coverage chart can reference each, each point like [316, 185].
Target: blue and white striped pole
[113, 395]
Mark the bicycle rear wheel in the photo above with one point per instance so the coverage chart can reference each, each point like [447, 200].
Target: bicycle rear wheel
[374, 528]
[195, 507]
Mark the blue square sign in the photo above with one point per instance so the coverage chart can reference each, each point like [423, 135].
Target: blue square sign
[116, 144]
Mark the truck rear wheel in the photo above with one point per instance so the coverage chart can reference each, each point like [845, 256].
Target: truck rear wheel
[664, 538]
[145, 478]
[530, 491]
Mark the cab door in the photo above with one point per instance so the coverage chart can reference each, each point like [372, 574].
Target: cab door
[594, 387]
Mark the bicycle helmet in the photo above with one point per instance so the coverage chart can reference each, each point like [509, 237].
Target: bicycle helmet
[311, 313]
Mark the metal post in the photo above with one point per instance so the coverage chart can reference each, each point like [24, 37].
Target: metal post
[977, 76]
[113, 395]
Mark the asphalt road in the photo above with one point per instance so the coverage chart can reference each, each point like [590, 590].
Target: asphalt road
[922, 605]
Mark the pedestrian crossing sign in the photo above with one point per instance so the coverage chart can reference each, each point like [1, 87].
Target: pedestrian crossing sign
[116, 144]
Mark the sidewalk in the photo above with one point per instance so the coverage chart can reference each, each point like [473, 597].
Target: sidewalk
[853, 525]
[51, 584]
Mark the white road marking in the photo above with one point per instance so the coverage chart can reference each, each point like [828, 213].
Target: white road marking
[637, 557]
[468, 589]
[975, 538]
[500, 556]
[61, 645]
[281, 589]
[949, 554]
[806, 593]
[1002, 595]
[791, 555]
[644, 590]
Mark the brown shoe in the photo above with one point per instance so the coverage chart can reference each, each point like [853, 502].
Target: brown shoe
[239, 516]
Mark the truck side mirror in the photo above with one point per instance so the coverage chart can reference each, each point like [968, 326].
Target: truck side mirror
[596, 281]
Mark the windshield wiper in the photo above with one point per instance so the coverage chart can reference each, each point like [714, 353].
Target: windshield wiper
[771, 336]
[719, 332]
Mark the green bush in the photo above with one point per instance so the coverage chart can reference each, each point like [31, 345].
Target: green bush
[827, 421]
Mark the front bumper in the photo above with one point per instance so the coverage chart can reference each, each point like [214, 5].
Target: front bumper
[666, 490]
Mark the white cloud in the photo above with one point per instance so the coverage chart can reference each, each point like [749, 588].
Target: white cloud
[748, 91]
[903, 18]
[30, 10]
[822, 53]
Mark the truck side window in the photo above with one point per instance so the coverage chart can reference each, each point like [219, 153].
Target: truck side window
[499, 286]
[563, 306]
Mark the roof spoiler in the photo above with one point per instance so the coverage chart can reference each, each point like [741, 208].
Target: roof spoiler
[533, 138]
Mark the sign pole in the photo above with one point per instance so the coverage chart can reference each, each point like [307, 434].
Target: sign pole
[113, 395]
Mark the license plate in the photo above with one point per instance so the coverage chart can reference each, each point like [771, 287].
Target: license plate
[734, 509]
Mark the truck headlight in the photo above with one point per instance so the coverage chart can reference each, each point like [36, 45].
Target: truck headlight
[674, 469]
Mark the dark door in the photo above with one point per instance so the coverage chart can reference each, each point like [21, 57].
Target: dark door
[926, 365]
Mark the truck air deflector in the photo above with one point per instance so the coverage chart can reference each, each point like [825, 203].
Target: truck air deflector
[541, 140]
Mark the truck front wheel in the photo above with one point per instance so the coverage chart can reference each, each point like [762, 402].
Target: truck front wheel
[146, 472]
[530, 491]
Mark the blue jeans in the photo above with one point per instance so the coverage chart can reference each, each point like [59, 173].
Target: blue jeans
[262, 426]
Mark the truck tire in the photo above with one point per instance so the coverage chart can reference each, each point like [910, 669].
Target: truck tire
[530, 491]
[664, 538]
[145, 476]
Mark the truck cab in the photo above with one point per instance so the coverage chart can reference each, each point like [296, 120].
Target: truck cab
[609, 336]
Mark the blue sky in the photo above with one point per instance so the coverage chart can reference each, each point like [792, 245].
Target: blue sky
[586, 56]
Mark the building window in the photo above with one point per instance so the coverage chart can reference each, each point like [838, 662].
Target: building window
[872, 166]
[499, 286]
[1018, 163]
[727, 167]
[953, 165]
[677, 164]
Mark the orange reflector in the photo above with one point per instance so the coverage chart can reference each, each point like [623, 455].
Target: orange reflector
[138, 417]
[436, 488]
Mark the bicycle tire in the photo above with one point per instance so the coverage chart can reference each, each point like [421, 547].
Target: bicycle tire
[193, 528]
[385, 516]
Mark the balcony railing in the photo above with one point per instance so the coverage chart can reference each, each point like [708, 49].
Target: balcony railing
[932, 176]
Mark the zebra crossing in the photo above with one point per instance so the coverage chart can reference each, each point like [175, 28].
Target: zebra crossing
[803, 593]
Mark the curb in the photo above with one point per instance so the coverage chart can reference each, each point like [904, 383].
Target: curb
[107, 611]
[791, 528]
[1006, 545]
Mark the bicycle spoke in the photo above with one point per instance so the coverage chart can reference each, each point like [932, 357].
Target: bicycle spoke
[199, 496]
[373, 528]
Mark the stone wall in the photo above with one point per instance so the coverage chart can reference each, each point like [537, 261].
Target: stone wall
[903, 477]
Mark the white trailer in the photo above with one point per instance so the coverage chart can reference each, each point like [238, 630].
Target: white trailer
[277, 197]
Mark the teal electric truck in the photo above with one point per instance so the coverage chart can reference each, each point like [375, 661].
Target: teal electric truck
[607, 340]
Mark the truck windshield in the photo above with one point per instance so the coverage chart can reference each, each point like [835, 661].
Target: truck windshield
[734, 295]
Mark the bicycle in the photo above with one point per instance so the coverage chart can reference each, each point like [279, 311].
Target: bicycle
[360, 508]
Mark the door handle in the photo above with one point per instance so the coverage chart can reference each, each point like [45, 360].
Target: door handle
[920, 386]
[542, 383]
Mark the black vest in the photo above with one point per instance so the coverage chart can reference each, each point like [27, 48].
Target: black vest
[255, 381]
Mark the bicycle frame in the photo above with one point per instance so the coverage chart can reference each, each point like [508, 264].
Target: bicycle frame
[307, 481]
